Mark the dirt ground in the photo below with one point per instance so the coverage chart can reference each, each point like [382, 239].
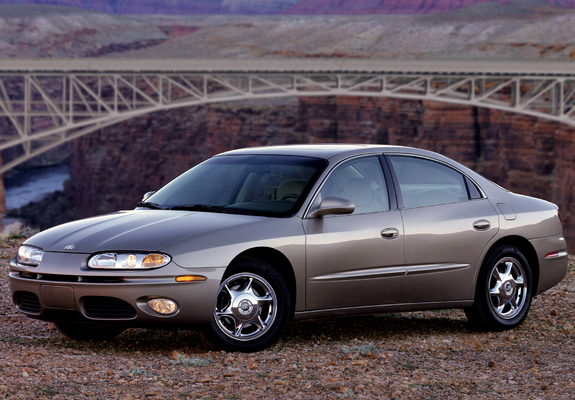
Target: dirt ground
[423, 355]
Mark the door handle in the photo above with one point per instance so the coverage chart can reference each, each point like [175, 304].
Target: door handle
[481, 225]
[390, 233]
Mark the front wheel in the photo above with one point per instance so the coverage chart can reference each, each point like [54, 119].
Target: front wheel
[504, 290]
[252, 308]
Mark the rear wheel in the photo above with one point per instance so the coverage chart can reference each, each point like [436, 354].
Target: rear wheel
[88, 331]
[252, 308]
[504, 290]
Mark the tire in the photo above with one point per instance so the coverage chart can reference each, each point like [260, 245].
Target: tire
[504, 290]
[88, 331]
[252, 308]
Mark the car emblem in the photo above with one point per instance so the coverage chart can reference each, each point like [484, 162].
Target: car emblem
[69, 247]
[508, 288]
[245, 307]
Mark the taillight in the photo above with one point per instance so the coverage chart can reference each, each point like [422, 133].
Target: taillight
[559, 214]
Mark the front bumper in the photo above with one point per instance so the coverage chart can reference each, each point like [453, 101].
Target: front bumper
[63, 289]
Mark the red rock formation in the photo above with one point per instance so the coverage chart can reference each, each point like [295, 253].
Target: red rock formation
[524, 154]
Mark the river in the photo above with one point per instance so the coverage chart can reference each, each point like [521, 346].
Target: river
[33, 185]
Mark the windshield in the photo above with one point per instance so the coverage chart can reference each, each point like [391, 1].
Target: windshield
[247, 184]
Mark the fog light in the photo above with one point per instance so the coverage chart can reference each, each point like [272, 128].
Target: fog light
[163, 306]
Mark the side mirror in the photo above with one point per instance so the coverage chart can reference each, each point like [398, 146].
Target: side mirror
[148, 194]
[333, 206]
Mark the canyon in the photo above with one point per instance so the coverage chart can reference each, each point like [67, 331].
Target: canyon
[111, 169]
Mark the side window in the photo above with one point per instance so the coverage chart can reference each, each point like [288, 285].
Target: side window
[360, 181]
[425, 183]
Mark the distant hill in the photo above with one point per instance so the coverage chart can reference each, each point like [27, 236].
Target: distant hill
[563, 3]
[345, 7]
[270, 7]
[306, 7]
[170, 7]
[517, 29]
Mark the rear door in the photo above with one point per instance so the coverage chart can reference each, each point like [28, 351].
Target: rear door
[447, 225]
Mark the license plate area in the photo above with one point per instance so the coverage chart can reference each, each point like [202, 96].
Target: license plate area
[59, 297]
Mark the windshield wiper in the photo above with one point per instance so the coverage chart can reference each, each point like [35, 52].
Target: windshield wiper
[205, 207]
[153, 206]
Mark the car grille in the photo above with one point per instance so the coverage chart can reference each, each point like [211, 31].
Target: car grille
[58, 278]
[28, 302]
[107, 308]
[70, 278]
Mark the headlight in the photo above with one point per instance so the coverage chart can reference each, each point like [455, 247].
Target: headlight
[29, 255]
[128, 261]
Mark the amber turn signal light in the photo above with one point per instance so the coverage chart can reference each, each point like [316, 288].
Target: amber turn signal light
[191, 278]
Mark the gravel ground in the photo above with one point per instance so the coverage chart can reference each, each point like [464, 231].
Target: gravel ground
[423, 355]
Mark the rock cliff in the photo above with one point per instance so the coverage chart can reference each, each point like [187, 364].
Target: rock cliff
[112, 169]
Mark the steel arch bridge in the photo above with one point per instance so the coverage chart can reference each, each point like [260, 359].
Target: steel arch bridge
[48, 102]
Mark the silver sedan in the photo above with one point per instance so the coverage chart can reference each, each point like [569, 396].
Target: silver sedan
[249, 239]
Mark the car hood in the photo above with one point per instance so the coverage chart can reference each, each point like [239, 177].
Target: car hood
[146, 230]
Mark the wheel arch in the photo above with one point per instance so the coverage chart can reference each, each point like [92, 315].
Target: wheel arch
[278, 261]
[526, 248]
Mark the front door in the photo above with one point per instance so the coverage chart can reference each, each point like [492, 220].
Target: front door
[356, 259]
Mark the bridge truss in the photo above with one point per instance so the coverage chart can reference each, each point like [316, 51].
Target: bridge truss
[48, 103]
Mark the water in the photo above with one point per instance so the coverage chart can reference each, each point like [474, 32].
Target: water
[34, 185]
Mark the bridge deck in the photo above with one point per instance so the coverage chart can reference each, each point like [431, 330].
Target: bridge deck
[323, 65]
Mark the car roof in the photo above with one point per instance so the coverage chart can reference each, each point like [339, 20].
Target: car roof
[326, 151]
